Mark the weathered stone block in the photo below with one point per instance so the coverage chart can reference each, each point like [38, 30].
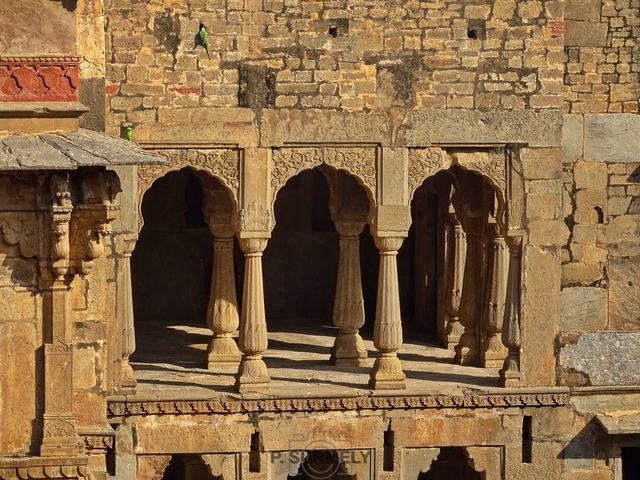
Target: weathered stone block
[585, 34]
[624, 288]
[583, 309]
[611, 138]
[585, 10]
[605, 358]
[572, 137]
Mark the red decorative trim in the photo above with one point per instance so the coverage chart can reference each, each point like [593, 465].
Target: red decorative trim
[556, 27]
[39, 79]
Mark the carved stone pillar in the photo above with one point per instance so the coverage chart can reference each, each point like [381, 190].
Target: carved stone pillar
[252, 373]
[59, 436]
[127, 378]
[387, 371]
[467, 350]
[493, 351]
[510, 373]
[222, 312]
[348, 306]
[457, 256]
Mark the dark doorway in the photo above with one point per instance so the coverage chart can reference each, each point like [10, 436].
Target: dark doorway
[630, 463]
[451, 464]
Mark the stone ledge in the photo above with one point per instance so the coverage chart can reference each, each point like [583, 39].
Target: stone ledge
[125, 407]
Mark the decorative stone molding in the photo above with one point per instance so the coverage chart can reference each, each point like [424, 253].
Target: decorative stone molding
[39, 79]
[98, 442]
[359, 161]
[33, 472]
[121, 407]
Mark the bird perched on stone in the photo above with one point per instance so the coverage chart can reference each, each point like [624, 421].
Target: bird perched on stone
[203, 38]
[127, 133]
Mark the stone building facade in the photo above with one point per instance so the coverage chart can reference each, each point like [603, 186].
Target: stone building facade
[352, 239]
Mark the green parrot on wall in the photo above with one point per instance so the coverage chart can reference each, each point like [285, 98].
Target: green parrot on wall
[203, 38]
[127, 133]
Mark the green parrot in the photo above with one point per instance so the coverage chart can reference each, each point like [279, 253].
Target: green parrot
[127, 133]
[204, 39]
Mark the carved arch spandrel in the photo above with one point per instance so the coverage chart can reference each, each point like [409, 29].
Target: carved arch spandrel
[223, 164]
[359, 161]
[491, 164]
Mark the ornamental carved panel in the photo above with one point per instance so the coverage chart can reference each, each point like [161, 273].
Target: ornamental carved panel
[222, 163]
[359, 161]
[39, 79]
[493, 166]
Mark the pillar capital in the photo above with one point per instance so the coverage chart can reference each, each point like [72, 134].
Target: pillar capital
[388, 245]
[253, 246]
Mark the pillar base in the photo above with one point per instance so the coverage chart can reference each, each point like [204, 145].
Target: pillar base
[252, 375]
[223, 354]
[387, 373]
[128, 381]
[348, 349]
[60, 437]
[510, 373]
[467, 351]
[453, 334]
[493, 352]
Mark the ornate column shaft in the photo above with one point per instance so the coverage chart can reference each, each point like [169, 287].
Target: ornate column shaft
[222, 312]
[252, 373]
[510, 373]
[59, 436]
[457, 256]
[467, 350]
[493, 351]
[348, 306]
[127, 378]
[387, 373]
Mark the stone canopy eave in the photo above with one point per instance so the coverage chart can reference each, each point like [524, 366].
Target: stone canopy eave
[70, 151]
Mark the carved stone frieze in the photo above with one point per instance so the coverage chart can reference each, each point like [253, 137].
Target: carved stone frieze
[222, 163]
[125, 408]
[39, 79]
[424, 163]
[359, 161]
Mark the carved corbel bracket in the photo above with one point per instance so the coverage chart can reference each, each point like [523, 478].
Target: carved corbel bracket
[61, 210]
[98, 210]
[254, 218]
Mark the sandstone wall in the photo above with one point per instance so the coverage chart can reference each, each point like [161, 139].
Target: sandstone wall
[601, 199]
[500, 55]
[602, 55]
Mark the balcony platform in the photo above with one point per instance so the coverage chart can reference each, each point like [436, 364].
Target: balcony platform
[170, 364]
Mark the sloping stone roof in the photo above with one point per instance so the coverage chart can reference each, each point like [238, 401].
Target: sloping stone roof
[69, 151]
